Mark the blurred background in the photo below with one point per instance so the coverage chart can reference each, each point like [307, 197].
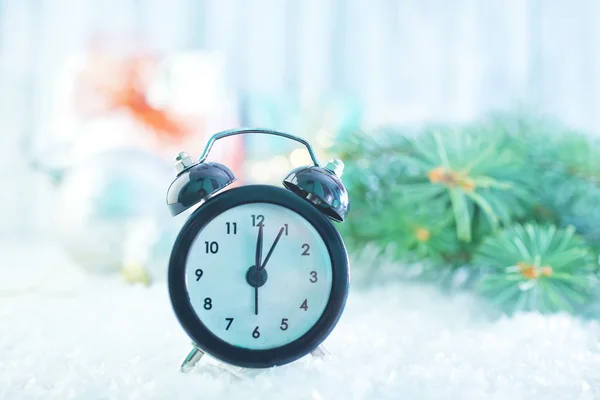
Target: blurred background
[97, 97]
[95, 94]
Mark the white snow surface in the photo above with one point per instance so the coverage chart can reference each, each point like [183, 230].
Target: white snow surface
[68, 335]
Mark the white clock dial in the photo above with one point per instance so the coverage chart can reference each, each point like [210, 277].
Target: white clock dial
[298, 276]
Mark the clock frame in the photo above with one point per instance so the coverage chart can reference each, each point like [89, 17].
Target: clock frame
[207, 341]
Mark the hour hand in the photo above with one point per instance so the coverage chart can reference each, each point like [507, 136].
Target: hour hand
[264, 264]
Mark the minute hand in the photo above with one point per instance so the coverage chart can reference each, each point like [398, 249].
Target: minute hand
[264, 264]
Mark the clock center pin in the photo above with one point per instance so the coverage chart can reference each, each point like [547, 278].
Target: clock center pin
[256, 277]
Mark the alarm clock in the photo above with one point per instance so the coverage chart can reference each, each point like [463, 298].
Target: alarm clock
[258, 275]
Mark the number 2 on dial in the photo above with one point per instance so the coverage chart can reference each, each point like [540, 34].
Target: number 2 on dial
[306, 248]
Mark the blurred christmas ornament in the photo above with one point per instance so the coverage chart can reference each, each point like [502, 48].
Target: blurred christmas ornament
[111, 83]
[121, 115]
[160, 102]
[111, 216]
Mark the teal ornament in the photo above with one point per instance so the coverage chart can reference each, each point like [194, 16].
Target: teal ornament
[110, 213]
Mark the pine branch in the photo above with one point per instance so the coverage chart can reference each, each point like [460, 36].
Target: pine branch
[534, 267]
[439, 196]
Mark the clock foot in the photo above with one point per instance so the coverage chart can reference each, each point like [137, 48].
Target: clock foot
[196, 355]
[191, 359]
[320, 352]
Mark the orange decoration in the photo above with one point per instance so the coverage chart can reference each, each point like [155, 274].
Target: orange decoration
[422, 234]
[450, 178]
[122, 83]
[438, 175]
[530, 271]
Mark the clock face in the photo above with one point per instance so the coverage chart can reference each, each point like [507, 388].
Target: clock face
[266, 306]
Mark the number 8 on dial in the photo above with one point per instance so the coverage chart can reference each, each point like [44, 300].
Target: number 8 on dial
[258, 275]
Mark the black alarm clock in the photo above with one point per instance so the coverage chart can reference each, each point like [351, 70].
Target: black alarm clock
[258, 275]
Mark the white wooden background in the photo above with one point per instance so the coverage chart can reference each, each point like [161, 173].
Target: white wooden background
[408, 61]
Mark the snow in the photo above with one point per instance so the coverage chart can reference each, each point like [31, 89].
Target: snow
[68, 335]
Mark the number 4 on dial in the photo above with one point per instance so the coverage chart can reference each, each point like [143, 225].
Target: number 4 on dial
[304, 305]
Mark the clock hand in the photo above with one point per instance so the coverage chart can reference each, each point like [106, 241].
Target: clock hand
[257, 261]
[264, 264]
[256, 300]
[259, 246]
